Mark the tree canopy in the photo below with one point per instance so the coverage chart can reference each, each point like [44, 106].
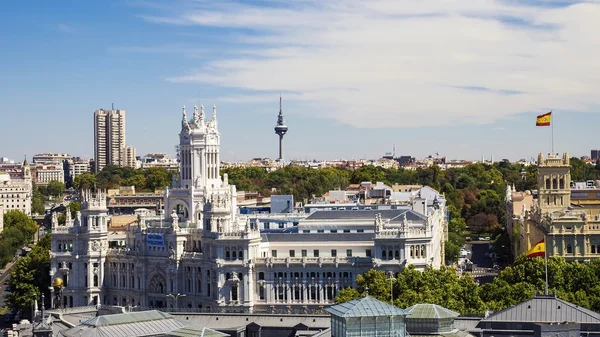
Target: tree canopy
[111, 176]
[30, 276]
[571, 281]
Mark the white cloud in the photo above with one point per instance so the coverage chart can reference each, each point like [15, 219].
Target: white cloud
[408, 63]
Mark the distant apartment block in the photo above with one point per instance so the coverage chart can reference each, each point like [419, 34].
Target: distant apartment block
[109, 138]
[75, 167]
[129, 157]
[595, 154]
[16, 189]
[45, 173]
[44, 158]
[158, 160]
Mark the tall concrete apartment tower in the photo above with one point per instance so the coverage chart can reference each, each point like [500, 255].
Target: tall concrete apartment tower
[109, 138]
[280, 129]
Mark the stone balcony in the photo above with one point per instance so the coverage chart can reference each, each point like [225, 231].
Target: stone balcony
[320, 261]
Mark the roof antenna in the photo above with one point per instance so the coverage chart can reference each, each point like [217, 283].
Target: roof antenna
[280, 102]
[113, 106]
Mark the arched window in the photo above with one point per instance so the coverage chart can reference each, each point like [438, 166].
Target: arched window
[95, 280]
[547, 184]
[569, 249]
[390, 254]
[562, 183]
[234, 255]
[593, 249]
[554, 184]
[227, 256]
[422, 250]
[227, 276]
[241, 255]
[397, 255]
[261, 275]
[412, 251]
[383, 255]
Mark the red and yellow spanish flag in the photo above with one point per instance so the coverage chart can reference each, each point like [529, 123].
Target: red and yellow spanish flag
[538, 250]
[544, 120]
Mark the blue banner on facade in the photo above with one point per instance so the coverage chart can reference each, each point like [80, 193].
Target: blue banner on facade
[155, 240]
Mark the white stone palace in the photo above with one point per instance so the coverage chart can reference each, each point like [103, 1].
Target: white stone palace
[205, 255]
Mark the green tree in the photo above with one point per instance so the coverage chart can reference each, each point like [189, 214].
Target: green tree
[74, 207]
[85, 181]
[367, 173]
[158, 178]
[347, 294]
[55, 188]
[20, 221]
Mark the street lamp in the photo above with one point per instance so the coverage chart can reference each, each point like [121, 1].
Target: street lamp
[392, 287]
[176, 298]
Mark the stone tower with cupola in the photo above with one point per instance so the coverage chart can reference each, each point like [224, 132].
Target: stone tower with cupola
[554, 182]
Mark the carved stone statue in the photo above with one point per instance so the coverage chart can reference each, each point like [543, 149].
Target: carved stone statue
[174, 220]
[247, 228]
[68, 218]
[196, 116]
[378, 222]
[54, 219]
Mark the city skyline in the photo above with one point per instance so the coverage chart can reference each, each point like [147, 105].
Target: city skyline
[459, 79]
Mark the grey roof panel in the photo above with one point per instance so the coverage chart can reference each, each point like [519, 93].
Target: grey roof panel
[430, 311]
[545, 309]
[365, 307]
[349, 214]
[389, 214]
[294, 237]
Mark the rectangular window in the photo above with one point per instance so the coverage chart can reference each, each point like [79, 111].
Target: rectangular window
[368, 253]
[320, 231]
[333, 231]
[316, 253]
[360, 230]
[349, 252]
[306, 231]
[274, 253]
[304, 253]
[292, 253]
[281, 225]
[334, 253]
[346, 231]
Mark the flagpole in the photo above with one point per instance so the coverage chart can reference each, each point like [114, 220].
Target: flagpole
[552, 126]
[546, 263]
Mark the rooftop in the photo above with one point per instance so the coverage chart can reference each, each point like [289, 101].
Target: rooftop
[430, 311]
[366, 307]
[545, 309]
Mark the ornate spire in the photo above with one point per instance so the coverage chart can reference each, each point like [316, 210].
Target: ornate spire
[196, 116]
[202, 114]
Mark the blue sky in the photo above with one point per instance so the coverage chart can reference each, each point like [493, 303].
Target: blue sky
[460, 78]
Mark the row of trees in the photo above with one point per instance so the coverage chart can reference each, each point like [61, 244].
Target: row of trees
[574, 282]
[18, 231]
[149, 179]
[30, 276]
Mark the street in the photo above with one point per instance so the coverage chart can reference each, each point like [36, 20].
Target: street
[483, 271]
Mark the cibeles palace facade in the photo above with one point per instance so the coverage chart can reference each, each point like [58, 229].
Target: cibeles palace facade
[204, 249]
